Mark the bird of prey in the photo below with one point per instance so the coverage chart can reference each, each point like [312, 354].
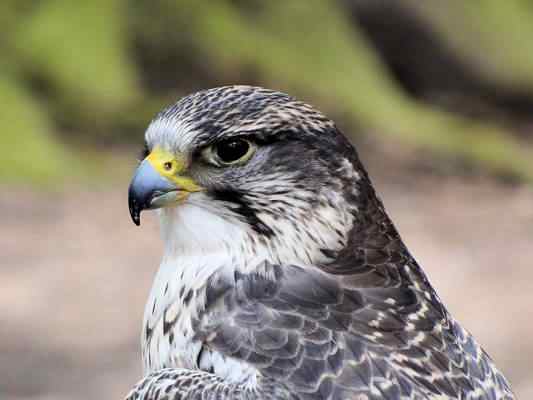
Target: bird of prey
[282, 275]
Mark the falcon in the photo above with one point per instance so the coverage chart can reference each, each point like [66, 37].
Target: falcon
[282, 275]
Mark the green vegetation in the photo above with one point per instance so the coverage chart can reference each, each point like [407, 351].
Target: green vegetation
[492, 35]
[30, 152]
[99, 70]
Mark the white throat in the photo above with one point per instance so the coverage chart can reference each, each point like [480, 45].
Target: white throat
[189, 230]
[201, 241]
[198, 243]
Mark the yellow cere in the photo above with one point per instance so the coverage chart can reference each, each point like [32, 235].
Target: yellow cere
[171, 166]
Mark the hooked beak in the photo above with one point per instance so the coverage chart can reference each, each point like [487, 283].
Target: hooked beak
[157, 183]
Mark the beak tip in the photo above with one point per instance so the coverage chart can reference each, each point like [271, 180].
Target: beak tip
[136, 219]
[135, 211]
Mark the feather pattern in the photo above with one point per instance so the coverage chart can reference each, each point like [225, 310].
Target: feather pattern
[302, 288]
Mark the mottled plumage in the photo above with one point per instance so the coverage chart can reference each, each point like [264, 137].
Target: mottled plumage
[283, 277]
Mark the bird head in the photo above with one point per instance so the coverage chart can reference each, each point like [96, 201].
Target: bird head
[249, 167]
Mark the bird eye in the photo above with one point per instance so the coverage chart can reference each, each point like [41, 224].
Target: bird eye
[229, 152]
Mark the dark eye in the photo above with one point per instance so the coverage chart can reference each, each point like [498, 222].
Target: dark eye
[228, 152]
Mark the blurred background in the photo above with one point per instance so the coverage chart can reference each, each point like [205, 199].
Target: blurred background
[437, 96]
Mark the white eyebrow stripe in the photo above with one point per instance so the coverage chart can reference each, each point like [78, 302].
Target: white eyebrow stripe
[171, 133]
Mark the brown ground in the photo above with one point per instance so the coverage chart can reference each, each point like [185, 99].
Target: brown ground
[75, 273]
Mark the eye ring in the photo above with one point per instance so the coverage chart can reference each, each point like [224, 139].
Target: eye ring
[228, 152]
